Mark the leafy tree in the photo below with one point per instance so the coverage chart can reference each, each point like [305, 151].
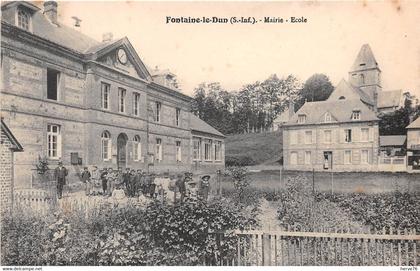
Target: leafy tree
[318, 87]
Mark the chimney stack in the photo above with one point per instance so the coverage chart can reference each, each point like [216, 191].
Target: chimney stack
[107, 37]
[50, 10]
[291, 108]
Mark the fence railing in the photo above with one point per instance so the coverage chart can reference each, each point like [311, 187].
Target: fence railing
[293, 248]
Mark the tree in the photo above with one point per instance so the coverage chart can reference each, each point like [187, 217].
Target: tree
[318, 87]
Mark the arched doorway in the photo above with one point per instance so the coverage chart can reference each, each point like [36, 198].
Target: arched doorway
[122, 150]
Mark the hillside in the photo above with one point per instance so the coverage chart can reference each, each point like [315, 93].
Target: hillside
[262, 148]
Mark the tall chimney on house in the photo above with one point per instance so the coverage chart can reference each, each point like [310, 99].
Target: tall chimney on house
[50, 10]
[291, 108]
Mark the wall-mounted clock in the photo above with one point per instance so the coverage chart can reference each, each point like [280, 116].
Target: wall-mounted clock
[122, 56]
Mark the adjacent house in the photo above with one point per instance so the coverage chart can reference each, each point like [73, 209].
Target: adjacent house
[341, 133]
[413, 146]
[71, 98]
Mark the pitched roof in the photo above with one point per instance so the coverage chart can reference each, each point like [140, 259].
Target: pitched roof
[365, 59]
[200, 125]
[16, 145]
[345, 89]
[341, 111]
[415, 124]
[389, 98]
[392, 140]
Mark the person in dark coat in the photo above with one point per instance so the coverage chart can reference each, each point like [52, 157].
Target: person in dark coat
[205, 187]
[86, 180]
[60, 174]
[139, 181]
[180, 184]
[104, 180]
[152, 185]
[126, 181]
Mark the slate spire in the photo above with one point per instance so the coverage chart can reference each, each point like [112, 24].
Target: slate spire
[365, 59]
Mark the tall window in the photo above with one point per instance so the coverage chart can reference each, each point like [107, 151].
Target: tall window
[178, 151]
[293, 158]
[301, 118]
[347, 135]
[158, 109]
[121, 99]
[53, 141]
[362, 79]
[23, 19]
[307, 157]
[106, 145]
[196, 148]
[136, 104]
[365, 157]
[207, 150]
[365, 134]
[347, 157]
[105, 95]
[327, 117]
[327, 136]
[136, 148]
[218, 151]
[177, 116]
[308, 137]
[355, 115]
[53, 81]
[293, 137]
[158, 154]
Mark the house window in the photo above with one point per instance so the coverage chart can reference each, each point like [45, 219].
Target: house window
[307, 157]
[218, 151]
[308, 137]
[293, 137]
[196, 149]
[347, 135]
[23, 19]
[105, 95]
[365, 134]
[121, 99]
[301, 118]
[136, 104]
[53, 81]
[53, 141]
[136, 148]
[178, 151]
[365, 157]
[327, 117]
[327, 136]
[355, 115]
[207, 150]
[293, 158]
[158, 154]
[177, 116]
[347, 157]
[106, 145]
[362, 79]
[158, 108]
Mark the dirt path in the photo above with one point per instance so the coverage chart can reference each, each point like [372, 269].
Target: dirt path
[268, 216]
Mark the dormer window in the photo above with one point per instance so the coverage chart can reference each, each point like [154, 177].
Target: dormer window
[362, 78]
[355, 115]
[342, 98]
[23, 19]
[327, 117]
[301, 118]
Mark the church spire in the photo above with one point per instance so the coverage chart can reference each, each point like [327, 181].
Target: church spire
[365, 60]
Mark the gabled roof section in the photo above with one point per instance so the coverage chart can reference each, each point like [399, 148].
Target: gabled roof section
[349, 92]
[322, 118]
[16, 145]
[10, 4]
[98, 50]
[365, 59]
[342, 110]
[200, 125]
[415, 124]
[389, 98]
[392, 140]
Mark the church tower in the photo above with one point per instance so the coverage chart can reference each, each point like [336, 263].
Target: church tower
[365, 73]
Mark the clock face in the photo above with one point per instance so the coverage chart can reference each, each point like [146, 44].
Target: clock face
[122, 56]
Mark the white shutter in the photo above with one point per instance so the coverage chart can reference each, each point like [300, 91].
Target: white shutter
[59, 146]
[314, 136]
[371, 134]
[109, 149]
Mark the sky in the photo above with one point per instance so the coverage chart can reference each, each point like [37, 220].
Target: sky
[237, 54]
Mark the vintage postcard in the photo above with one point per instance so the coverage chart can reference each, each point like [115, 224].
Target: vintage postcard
[140, 133]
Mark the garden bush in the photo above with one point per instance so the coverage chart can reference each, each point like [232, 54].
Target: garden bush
[234, 161]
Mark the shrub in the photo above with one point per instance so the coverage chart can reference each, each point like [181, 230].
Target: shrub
[235, 161]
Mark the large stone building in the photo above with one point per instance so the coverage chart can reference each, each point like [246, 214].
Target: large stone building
[413, 145]
[341, 133]
[69, 97]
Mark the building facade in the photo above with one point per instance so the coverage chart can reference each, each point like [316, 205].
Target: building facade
[341, 133]
[84, 102]
[413, 146]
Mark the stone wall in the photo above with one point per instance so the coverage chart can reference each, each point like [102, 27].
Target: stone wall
[6, 173]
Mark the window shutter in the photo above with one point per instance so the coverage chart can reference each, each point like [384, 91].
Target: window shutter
[314, 136]
[356, 135]
[341, 140]
[59, 147]
[109, 149]
[371, 135]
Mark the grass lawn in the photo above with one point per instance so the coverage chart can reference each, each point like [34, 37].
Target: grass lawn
[346, 182]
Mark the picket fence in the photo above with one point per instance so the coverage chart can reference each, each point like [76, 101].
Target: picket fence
[389, 247]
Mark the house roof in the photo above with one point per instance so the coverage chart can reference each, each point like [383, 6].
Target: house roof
[340, 110]
[415, 124]
[200, 125]
[392, 140]
[16, 145]
[390, 98]
[345, 89]
[365, 59]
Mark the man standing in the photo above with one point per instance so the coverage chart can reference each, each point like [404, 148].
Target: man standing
[95, 179]
[60, 174]
[180, 184]
[86, 180]
[205, 187]
[104, 180]
[126, 181]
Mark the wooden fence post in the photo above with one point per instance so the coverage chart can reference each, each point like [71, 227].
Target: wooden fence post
[266, 249]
